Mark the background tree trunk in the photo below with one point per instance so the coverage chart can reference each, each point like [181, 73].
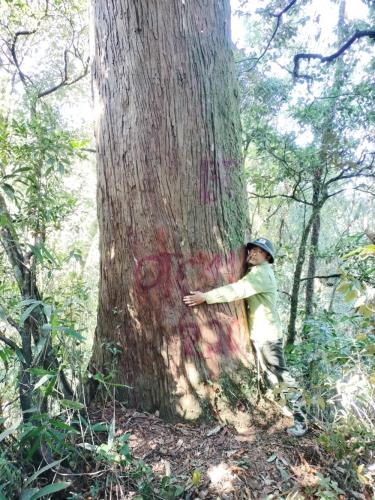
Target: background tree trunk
[328, 138]
[171, 199]
[327, 152]
[292, 330]
[314, 247]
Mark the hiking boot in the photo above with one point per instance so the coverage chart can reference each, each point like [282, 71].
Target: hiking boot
[298, 429]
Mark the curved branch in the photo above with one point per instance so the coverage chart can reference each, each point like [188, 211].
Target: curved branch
[12, 48]
[291, 197]
[298, 57]
[10, 343]
[322, 277]
[277, 25]
[64, 81]
[26, 80]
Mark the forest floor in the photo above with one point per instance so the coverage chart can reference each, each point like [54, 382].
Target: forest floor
[252, 458]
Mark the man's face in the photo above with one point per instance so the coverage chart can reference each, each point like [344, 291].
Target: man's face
[256, 256]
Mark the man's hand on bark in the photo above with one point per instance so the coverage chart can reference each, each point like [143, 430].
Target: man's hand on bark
[194, 299]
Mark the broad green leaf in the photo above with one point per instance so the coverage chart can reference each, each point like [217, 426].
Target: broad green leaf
[99, 427]
[43, 469]
[41, 371]
[20, 355]
[27, 494]
[196, 477]
[57, 424]
[343, 287]
[321, 403]
[272, 457]
[178, 490]
[41, 345]
[29, 310]
[71, 333]
[351, 295]
[74, 405]
[26, 302]
[366, 310]
[47, 311]
[42, 381]
[46, 490]
[9, 431]
[8, 189]
[3, 220]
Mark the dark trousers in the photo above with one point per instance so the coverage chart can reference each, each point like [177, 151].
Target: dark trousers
[271, 358]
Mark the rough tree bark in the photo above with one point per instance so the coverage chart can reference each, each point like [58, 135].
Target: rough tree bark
[171, 199]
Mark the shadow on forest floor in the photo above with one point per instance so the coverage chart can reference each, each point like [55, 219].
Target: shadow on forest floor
[248, 460]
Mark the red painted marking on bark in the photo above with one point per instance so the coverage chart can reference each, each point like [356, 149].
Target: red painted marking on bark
[152, 271]
[190, 335]
[193, 341]
[161, 239]
[226, 343]
[161, 280]
[166, 269]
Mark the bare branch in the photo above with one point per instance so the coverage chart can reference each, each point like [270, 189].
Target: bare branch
[278, 17]
[291, 197]
[321, 277]
[10, 343]
[64, 83]
[88, 150]
[308, 56]
[337, 192]
[12, 48]
[346, 174]
[26, 80]
[11, 321]
[361, 190]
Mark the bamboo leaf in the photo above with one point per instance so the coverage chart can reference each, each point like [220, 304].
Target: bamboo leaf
[28, 311]
[34, 494]
[74, 405]
[42, 381]
[8, 432]
[43, 469]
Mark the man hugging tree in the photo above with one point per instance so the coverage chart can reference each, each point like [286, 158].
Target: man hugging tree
[259, 288]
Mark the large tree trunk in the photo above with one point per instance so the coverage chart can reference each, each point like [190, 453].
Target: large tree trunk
[171, 199]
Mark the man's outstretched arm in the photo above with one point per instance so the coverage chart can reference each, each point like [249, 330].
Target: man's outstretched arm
[252, 283]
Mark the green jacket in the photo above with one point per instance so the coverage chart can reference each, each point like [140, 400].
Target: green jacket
[259, 288]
